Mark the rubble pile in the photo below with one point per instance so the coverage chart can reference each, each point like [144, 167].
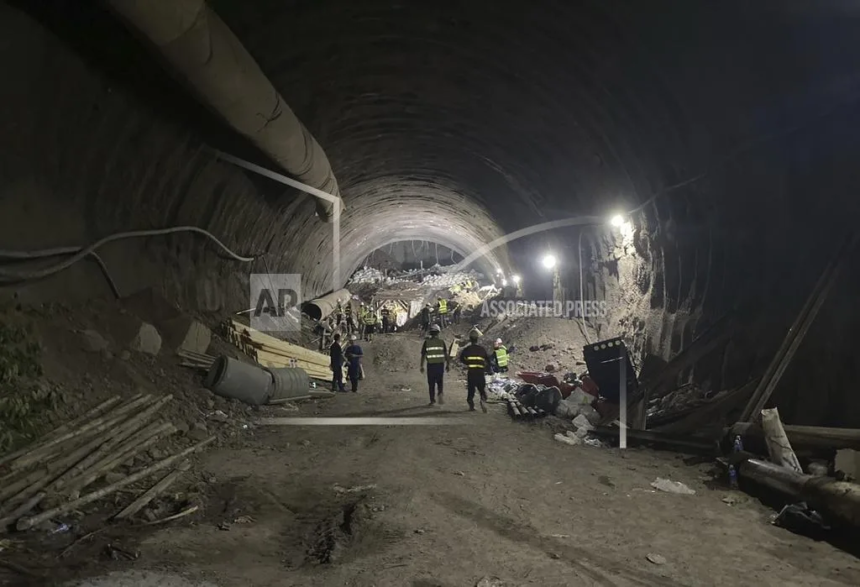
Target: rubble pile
[434, 277]
[530, 401]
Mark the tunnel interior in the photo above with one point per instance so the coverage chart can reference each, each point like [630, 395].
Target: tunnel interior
[726, 133]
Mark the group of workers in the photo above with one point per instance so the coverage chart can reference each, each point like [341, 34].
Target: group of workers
[435, 355]
[479, 363]
[445, 309]
[365, 324]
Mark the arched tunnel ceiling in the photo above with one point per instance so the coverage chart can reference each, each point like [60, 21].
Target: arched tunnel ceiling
[434, 113]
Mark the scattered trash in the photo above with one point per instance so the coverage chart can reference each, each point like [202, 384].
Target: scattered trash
[419, 531]
[116, 553]
[460, 473]
[355, 489]
[219, 416]
[669, 486]
[656, 559]
[560, 535]
[733, 498]
[801, 519]
[61, 529]
[733, 477]
[244, 520]
[593, 442]
[224, 526]
[490, 582]
[581, 422]
[847, 461]
[572, 440]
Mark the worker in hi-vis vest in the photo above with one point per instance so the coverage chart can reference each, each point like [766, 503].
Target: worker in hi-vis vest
[369, 324]
[435, 354]
[500, 357]
[442, 310]
[474, 356]
[362, 314]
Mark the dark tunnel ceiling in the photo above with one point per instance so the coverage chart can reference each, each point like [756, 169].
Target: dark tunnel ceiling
[533, 109]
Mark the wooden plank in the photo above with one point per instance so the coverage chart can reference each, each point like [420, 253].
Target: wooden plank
[797, 332]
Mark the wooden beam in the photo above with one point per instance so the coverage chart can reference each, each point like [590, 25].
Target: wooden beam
[798, 330]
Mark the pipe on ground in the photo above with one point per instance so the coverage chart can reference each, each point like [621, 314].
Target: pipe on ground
[215, 63]
[322, 307]
[837, 499]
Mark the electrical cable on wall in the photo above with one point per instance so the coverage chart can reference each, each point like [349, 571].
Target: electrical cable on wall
[79, 253]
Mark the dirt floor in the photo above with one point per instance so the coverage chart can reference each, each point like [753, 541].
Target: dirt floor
[431, 506]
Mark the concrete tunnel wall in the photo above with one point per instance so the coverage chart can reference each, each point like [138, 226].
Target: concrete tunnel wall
[531, 113]
[85, 157]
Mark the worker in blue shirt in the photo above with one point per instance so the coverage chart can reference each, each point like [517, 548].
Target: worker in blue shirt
[353, 354]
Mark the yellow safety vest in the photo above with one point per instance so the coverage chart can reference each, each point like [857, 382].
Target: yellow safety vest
[370, 318]
[502, 356]
[434, 350]
[475, 362]
[443, 306]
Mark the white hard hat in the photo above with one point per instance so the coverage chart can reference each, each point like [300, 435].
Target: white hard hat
[435, 328]
[498, 341]
[353, 337]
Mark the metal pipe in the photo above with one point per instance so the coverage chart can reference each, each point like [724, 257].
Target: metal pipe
[200, 46]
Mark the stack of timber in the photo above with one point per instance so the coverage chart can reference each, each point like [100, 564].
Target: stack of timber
[195, 360]
[52, 477]
[269, 351]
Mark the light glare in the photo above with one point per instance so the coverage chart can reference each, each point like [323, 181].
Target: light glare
[549, 261]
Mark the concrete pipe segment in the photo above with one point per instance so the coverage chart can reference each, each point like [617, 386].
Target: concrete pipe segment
[234, 379]
[321, 308]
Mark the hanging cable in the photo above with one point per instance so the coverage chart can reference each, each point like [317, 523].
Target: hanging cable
[79, 253]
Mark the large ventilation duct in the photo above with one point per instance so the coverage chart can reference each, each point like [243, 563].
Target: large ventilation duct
[213, 61]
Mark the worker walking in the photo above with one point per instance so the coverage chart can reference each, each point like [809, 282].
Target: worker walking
[458, 310]
[386, 320]
[362, 316]
[369, 324]
[442, 310]
[336, 357]
[435, 353]
[500, 357]
[347, 316]
[353, 354]
[477, 364]
[425, 318]
[338, 312]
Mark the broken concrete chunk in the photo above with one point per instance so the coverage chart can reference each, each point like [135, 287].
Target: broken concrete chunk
[185, 333]
[551, 368]
[93, 341]
[147, 340]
